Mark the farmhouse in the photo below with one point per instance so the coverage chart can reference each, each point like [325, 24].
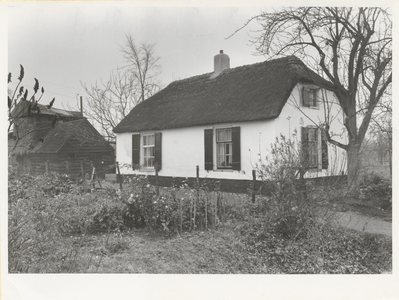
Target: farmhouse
[56, 140]
[225, 121]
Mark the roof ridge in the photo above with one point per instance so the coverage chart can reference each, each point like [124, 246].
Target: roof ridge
[291, 59]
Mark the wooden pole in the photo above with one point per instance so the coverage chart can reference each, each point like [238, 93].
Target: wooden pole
[93, 171]
[82, 169]
[156, 178]
[253, 185]
[47, 164]
[206, 210]
[119, 175]
[198, 188]
[181, 215]
[67, 167]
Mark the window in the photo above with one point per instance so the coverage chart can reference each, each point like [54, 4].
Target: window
[226, 153]
[309, 96]
[314, 147]
[224, 148]
[148, 151]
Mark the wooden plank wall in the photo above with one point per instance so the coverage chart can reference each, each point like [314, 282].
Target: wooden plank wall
[58, 163]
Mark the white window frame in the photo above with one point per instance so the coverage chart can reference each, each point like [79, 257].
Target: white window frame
[227, 147]
[143, 149]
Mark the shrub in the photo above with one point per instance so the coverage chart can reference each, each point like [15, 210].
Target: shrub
[289, 210]
[175, 208]
[377, 190]
[43, 212]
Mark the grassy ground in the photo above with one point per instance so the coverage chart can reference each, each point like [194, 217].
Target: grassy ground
[229, 250]
[211, 252]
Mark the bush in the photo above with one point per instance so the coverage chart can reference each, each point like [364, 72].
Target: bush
[288, 210]
[174, 209]
[377, 190]
[43, 212]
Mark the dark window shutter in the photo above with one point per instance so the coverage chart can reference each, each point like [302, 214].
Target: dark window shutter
[314, 95]
[208, 142]
[305, 97]
[158, 149]
[236, 140]
[305, 146]
[135, 150]
[324, 150]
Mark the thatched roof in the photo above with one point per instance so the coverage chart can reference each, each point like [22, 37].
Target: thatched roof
[247, 93]
[21, 110]
[77, 133]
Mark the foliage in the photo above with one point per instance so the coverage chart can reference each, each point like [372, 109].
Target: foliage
[332, 251]
[173, 209]
[60, 225]
[15, 118]
[43, 212]
[291, 212]
[377, 190]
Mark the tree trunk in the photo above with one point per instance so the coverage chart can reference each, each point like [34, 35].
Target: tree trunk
[353, 166]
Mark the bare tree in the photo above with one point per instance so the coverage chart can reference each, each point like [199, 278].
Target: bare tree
[143, 65]
[109, 102]
[351, 47]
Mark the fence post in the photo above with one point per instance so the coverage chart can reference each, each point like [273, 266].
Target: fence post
[253, 185]
[67, 167]
[47, 164]
[181, 215]
[119, 175]
[82, 169]
[93, 171]
[206, 210]
[156, 178]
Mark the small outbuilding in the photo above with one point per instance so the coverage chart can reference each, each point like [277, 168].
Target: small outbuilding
[55, 140]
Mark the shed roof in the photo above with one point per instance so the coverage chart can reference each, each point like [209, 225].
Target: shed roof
[21, 110]
[247, 93]
[79, 133]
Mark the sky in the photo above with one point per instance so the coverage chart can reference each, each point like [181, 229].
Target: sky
[66, 44]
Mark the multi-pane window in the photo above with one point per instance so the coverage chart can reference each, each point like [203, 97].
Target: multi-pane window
[224, 148]
[309, 97]
[148, 150]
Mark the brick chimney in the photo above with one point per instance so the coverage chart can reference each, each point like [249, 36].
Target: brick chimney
[221, 62]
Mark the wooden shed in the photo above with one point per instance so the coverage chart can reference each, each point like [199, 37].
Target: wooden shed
[72, 147]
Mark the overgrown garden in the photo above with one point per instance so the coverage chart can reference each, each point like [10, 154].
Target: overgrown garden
[59, 224]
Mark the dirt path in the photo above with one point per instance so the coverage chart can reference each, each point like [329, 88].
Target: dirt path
[359, 222]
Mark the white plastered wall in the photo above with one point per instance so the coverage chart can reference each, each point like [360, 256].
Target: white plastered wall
[183, 150]
[294, 116]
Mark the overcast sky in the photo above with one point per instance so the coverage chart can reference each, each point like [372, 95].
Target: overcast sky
[63, 44]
